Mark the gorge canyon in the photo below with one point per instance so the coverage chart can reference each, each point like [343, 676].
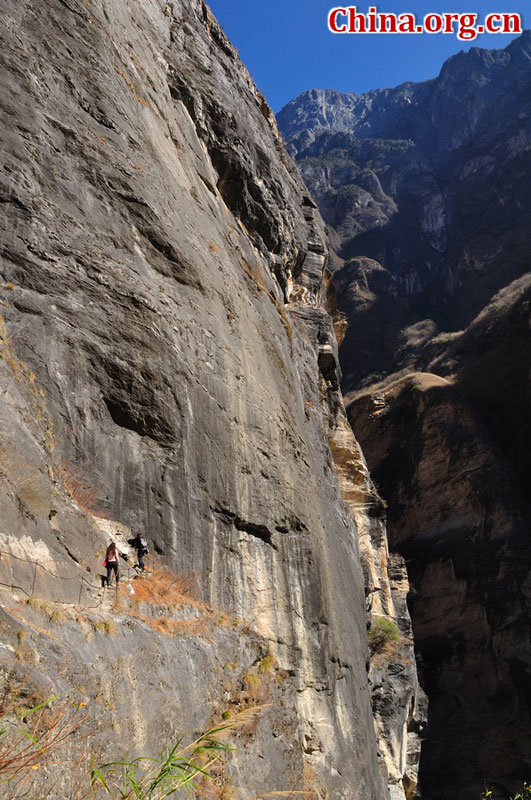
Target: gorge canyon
[310, 395]
[425, 190]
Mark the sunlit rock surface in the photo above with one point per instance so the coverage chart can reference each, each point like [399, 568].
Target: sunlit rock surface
[168, 368]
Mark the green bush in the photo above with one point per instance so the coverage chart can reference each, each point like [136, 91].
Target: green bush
[382, 631]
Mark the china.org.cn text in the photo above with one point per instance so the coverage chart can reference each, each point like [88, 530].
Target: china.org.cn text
[466, 26]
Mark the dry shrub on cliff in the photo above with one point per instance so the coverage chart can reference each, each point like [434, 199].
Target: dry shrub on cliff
[7, 353]
[162, 586]
[34, 733]
[169, 591]
[174, 627]
[267, 664]
[80, 489]
[254, 693]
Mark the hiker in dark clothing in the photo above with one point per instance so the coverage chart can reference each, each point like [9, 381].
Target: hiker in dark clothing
[111, 562]
[140, 545]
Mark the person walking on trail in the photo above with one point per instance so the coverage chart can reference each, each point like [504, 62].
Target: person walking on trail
[140, 545]
[111, 562]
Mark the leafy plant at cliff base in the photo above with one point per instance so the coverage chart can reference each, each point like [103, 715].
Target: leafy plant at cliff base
[382, 631]
[146, 778]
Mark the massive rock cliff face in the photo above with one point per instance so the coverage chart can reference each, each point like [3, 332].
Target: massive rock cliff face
[168, 368]
[425, 191]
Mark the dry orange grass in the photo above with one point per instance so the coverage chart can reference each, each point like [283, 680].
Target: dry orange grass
[197, 626]
[169, 590]
[165, 587]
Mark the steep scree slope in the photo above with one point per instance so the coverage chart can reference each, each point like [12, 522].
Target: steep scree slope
[168, 368]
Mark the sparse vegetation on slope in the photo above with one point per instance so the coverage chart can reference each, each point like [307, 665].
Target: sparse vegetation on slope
[37, 734]
[523, 794]
[34, 733]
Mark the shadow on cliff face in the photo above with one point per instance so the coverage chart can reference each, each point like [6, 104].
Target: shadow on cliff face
[457, 513]
[236, 158]
[449, 449]
[427, 189]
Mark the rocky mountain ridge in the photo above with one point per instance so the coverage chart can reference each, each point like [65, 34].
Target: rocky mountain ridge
[439, 115]
[393, 172]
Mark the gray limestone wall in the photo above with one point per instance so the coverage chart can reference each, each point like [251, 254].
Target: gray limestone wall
[167, 369]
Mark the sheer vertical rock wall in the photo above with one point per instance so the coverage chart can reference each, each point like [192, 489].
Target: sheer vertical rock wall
[168, 369]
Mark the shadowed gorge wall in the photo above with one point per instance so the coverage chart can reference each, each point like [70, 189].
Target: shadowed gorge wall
[425, 191]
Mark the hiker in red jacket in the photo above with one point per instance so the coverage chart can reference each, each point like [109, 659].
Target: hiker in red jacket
[111, 562]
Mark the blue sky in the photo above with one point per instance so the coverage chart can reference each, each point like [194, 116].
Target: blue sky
[286, 45]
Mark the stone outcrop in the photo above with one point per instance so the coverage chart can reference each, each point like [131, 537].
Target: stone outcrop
[426, 194]
[168, 368]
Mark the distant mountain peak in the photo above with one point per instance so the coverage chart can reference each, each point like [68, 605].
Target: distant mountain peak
[371, 114]
[447, 109]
